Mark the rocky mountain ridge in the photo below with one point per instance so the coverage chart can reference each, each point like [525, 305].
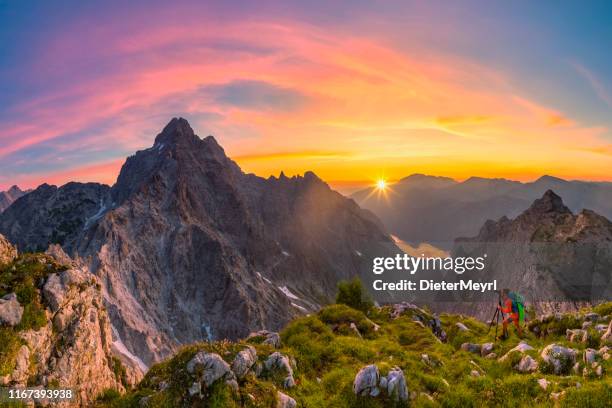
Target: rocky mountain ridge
[422, 208]
[556, 259]
[188, 247]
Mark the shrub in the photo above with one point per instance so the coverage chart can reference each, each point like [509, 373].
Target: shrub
[352, 294]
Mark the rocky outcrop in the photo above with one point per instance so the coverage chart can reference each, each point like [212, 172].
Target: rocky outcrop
[68, 341]
[209, 368]
[558, 261]
[8, 197]
[190, 248]
[560, 359]
[368, 382]
[285, 401]
[266, 337]
[52, 215]
[7, 251]
[281, 363]
[10, 310]
[244, 361]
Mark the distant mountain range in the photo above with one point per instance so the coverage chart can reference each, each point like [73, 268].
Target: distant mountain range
[437, 210]
[8, 197]
[556, 259]
[190, 248]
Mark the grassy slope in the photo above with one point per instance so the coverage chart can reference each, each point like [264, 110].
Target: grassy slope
[329, 354]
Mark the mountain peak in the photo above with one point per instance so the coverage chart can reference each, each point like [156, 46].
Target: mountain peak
[549, 203]
[549, 179]
[176, 131]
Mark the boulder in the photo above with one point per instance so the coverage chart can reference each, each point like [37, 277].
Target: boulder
[7, 251]
[209, 367]
[284, 401]
[543, 383]
[577, 335]
[522, 347]
[396, 385]
[560, 358]
[278, 361]
[590, 355]
[10, 310]
[245, 359]
[269, 337]
[601, 328]
[591, 317]
[486, 349]
[606, 338]
[366, 380]
[461, 326]
[471, 347]
[527, 365]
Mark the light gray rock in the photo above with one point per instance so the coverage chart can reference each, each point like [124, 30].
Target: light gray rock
[471, 347]
[271, 338]
[396, 385]
[561, 358]
[383, 383]
[592, 317]
[366, 380]
[284, 401]
[577, 335]
[486, 349]
[195, 389]
[10, 310]
[590, 355]
[209, 367]
[606, 338]
[522, 347]
[462, 327]
[278, 361]
[543, 383]
[527, 365]
[245, 359]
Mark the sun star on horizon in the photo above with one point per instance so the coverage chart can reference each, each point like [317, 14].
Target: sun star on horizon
[381, 184]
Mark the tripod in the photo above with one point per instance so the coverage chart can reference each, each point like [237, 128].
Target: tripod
[496, 316]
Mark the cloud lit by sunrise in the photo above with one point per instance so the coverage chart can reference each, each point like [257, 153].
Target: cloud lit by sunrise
[297, 96]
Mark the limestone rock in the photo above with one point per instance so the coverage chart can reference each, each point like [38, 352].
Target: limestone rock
[577, 335]
[245, 359]
[522, 347]
[366, 380]
[269, 337]
[471, 347]
[285, 401]
[527, 365]
[486, 349]
[22, 363]
[461, 326]
[278, 361]
[396, 385]
[561, 358]
[10, 310]
[543, 383]
[7, 251]
[209, 367]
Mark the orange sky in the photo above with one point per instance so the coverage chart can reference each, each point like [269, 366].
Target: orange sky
[295, 97]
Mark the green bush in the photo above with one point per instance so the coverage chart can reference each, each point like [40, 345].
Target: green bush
[352, 294]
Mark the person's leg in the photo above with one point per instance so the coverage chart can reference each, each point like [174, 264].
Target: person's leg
[505, 327]
[518, 326]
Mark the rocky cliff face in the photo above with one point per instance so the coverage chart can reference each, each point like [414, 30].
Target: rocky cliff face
[59, 334]
[9, 196]
[190, 248]
[558, 260]
[53, 215]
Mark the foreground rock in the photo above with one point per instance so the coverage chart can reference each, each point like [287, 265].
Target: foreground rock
[10, 310]
[208, 368]
[368, 382]
[7, 251]
[67, 339]
[560, 359]
[279, 362]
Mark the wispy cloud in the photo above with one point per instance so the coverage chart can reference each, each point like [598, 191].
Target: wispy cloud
[600, 89]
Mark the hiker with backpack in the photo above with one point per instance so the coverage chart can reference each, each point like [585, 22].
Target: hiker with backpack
[514, 306]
